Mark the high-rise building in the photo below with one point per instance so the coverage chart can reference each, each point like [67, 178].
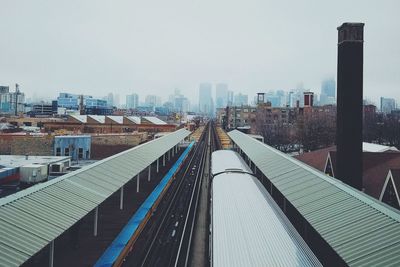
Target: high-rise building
[205, 99]
[230, 98]
[241, 100]
[110, 99]
[152, 101]
[387, 105]
[350, 104]
[328, 92]
[328, 87]
[11, 100]
[116, 100]
[221, 95]
[132, 101]
[290, 100]
[181, 104]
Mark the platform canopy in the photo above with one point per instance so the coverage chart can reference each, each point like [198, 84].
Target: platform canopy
[362, 230]
[32, 218]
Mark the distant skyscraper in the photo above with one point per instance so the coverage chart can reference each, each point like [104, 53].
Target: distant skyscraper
[230, 98]
[116, 100]
[241, 100]
[181, 104]
[221, 95]
[153, 101]
[328, 92]
[205, 99]
[132, 101]
[277, 99]
[387, 105]
[328, 87]
[110, 99]
[290, 99]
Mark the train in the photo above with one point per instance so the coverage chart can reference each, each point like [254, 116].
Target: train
[247, 228]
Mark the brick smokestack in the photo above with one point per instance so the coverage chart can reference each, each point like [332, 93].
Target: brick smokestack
[349, 104]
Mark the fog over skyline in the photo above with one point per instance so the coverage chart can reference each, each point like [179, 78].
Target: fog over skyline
[152, 47]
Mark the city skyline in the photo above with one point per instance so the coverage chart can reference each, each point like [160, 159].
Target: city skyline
[278, 98]
[146, 49]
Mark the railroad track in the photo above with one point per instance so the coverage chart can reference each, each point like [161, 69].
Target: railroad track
[166, 239]
[184, 251]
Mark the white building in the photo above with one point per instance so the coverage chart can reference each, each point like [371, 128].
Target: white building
[205, 100]
[132, 101]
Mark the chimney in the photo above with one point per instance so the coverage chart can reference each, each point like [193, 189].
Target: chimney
[349, 104]
[308, 99]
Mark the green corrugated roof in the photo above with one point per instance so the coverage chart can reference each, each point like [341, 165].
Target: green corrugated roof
[362, 230]
[32, 218]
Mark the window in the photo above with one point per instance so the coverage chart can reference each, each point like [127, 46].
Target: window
[66, 151]
[80, 153]
[55, 168]
[58, 151]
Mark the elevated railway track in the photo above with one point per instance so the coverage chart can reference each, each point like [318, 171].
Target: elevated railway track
[167, 238]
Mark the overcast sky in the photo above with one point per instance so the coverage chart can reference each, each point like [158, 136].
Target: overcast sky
[151, 47]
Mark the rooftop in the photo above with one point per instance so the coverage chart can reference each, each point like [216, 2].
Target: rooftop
[21, 160]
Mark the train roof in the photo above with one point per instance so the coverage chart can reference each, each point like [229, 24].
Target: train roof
[249, 229]
[225, 160]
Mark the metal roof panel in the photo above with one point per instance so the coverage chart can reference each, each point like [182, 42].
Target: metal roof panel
[353, 223]
[33, 217]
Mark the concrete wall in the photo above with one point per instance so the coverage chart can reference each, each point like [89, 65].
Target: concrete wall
[126, 139]
[30, 145]
[104, 146]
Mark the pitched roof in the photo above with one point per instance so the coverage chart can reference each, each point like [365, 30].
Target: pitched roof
[154, 120]
[317, 158]
[396, 178]
[117, 119]
[80, 118]
[97, 118]
[375, 166]
[134, 119]
[375, 169]
[370, 147]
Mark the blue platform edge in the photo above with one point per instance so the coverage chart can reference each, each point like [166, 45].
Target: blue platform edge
[114, 250]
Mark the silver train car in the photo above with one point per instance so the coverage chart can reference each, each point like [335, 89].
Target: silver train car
[247, 226]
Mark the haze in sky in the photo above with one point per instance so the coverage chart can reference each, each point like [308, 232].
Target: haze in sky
[151, 47]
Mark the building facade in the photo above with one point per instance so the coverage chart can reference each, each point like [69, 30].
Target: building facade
[328, 92]
[205, 99]
[132, 101]
[387, 105]
[87, 104]
[221, 95]
[75, 146]
[240, 100]
[9, 101]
